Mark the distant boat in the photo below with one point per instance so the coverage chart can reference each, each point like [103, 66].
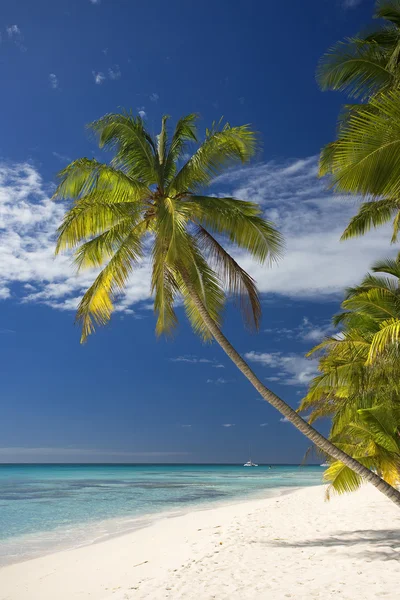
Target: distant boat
[250, 464]
[324, 465]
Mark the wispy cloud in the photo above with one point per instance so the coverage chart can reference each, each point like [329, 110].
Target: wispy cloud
[306, 331]
[99, 77]
[263, 424]
[219, 381]
[94, 1]
[195, 360]
[13, 31]
[284, 420]
[53, 80]
[62, 157]
[316, 265]
[228, 424]
[14, 34]
[114, 72]
[142, 112]
[185, 426]
[295, 369]
[154, 97]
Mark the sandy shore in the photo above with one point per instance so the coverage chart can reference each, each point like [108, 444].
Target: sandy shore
[294, 546]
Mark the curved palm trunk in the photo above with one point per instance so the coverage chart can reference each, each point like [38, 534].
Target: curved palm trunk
[288, 412]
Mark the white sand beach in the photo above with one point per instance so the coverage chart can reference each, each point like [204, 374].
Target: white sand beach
[293, 546]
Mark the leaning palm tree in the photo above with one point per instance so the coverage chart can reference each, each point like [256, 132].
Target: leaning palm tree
[146, 200]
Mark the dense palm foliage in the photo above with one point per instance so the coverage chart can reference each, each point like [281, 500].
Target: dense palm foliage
[368, 63]
[148, 200]
[365, 157]
[359, 384]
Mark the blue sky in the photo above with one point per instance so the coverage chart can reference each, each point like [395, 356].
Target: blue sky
[126, 396]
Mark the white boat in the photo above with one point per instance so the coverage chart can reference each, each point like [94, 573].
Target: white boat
[324, 465]
[250, 464]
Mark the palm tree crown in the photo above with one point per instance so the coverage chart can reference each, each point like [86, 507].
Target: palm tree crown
[145, 200]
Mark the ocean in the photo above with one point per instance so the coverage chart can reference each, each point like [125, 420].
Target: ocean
[45, 508]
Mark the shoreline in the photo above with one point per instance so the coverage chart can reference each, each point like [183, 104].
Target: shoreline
[294, 545]
[127, 525]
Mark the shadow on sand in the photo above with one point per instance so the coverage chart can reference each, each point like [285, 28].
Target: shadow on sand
[383, 544]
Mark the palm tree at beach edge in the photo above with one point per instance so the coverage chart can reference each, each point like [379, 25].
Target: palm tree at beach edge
[141, 200]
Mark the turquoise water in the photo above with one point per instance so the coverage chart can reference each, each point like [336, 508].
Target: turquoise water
[48, 507]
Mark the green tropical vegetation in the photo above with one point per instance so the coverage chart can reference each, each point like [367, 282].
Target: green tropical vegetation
[358, 385]
[365, 157]
[150, 202]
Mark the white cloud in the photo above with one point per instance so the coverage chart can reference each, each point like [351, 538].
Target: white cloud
[114, 72]
[314, 333]
[53, 80]
[284, 420]
[94, 1]
[228, 424]
[99, 77]
[28, 268]
[316, 265]
[142, 113]
[15, 36]
[154, 97]
[185, 426]
[219, 381]
[263, 424]
[296, 369]
[13, 31]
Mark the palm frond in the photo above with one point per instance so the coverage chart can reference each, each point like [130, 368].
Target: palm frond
[367, 151]
[238, 282]
[371, 214]
[341, 478]
[87, 219]
[240, 222]
[185, 132]
[388, 10]
[221, 149]
[355, 66]
[391, 266]
[134, 150]
[387, 338]
[84, 177]
[96, 305]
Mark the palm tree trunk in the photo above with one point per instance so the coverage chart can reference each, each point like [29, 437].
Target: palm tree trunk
[291, 415]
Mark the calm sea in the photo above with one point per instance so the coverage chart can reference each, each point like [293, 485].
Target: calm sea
[44, 508]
